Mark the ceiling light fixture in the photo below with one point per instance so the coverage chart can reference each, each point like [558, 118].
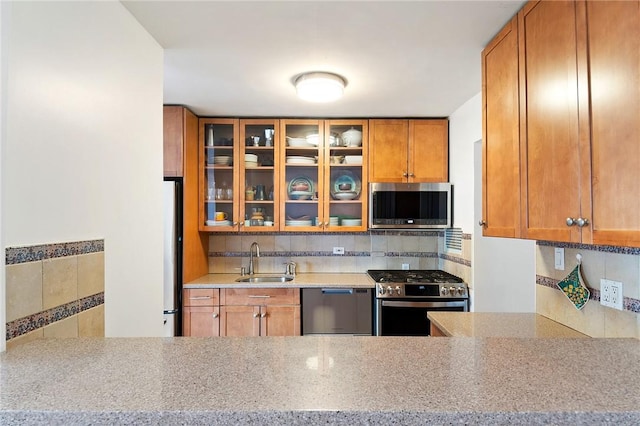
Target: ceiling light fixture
[320, 86]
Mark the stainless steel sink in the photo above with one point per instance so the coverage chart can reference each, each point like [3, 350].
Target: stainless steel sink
[265, 279]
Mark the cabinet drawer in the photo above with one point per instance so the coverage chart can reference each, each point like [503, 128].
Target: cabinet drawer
[201, 297]
[262, 296]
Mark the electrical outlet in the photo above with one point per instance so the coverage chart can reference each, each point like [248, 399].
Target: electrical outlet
[617, 296]
[611, 294]
[605, 292]
[559, 259]
[405, 266]
[338, 250]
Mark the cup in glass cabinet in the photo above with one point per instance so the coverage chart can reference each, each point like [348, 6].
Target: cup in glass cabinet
[260, 194]
[248, 194]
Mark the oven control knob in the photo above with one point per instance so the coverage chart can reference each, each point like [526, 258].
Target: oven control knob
[452, 290]
[444, 291]
[461, 291]
[381, 290]
[398, 290]
[390, 290]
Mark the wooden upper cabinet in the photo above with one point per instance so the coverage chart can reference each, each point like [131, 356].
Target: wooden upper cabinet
[409, 150]
[177, 122]
[549, 119]
[428, 151]
[388, 150]
[614, 65]
[501, 135]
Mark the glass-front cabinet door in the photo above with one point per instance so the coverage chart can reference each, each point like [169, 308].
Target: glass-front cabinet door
[219, 174]
[301, 162]
[259, 184]
[268, 175]
[345, 175]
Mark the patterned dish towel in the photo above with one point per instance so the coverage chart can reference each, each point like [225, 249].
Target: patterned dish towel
[573, 287]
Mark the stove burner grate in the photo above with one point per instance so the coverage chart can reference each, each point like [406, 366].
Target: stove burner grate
[419, 276]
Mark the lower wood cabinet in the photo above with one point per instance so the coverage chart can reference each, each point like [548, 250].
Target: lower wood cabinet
[260, 312]
[260, 320]
[241, 312]
[436, 332]
[201, 312]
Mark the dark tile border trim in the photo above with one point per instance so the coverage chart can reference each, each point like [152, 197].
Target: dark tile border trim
[320, 254]
[16, 255]
[33, 322]
[603, 249]
[455, 259]
[628, 303]
[428, 233]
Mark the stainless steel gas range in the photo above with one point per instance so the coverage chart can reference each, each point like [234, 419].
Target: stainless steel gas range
[404, 297]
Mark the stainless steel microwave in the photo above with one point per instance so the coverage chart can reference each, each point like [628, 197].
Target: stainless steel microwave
[410, 205]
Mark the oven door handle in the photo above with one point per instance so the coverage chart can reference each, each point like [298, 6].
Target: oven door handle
[402, 304]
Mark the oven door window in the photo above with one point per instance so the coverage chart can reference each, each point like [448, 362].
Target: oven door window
[410, 318]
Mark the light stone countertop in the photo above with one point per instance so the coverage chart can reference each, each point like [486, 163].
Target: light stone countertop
[351, 280]
[481, 324]
[321, 380]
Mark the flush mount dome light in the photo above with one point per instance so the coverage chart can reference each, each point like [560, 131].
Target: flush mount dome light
[320, 86]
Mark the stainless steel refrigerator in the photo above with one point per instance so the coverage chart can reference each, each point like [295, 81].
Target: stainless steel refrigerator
[172, 256]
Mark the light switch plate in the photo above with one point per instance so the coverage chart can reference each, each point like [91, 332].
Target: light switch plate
[405, 266]
[559, 259]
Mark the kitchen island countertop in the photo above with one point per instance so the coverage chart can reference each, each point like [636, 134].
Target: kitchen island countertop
[306, 280]
[321, 380]
[489, 324]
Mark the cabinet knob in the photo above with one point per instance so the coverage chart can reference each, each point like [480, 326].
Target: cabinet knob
[242, 223]
[412, 175]
[482, 223]
[582, 222]
[326, 224]
[235, 223]
[571, 221]
[264, 315]
[404, 174]
[215, 315]
[256, 315]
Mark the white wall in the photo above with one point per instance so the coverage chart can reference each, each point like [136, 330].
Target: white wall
[4, 27]
[83, 146]
[503, 269]
[465, 127]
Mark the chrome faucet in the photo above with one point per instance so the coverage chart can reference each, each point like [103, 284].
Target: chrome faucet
[257, 250]
[290, 268]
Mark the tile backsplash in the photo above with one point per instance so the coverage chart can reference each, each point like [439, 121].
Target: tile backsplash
[613, 263]
[313, 252]
[54, 290]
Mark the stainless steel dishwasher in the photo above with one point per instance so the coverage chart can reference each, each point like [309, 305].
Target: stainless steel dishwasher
[337, 311]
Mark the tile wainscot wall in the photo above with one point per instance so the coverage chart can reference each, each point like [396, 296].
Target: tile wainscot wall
[313, 252]
[612, 263]
[54, 290]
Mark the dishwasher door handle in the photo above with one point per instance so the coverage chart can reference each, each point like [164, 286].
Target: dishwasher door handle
[337, 291]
